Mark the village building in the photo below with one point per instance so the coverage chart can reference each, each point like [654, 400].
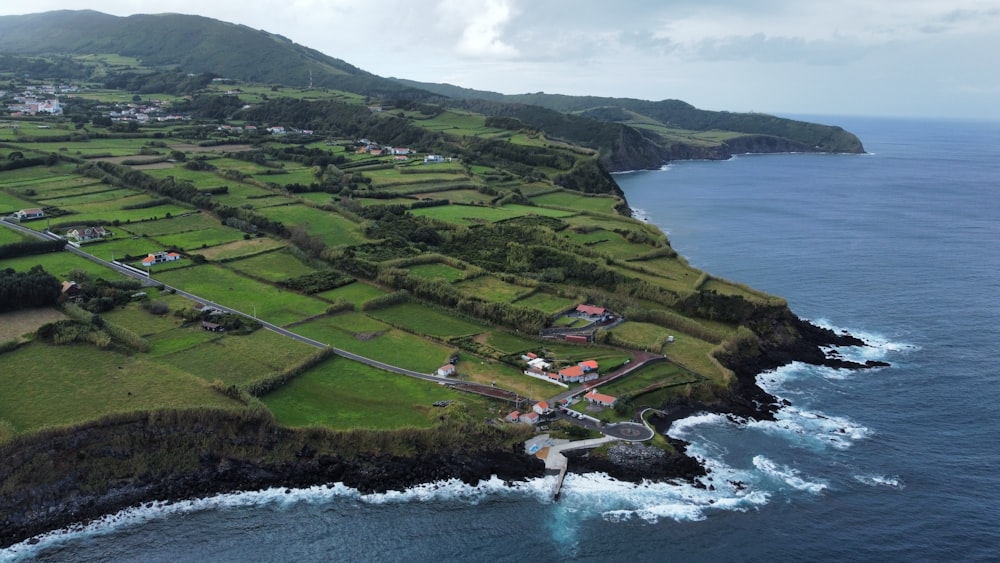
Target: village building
[446, 370]
[592, 312]
[514, 416]
[529, 417]
[70, 289]
[29, 214]
[160, 257]
[584, 371]
[432, 158]
[541, 407]
[595, 398]
[81, 234]
[212, 327]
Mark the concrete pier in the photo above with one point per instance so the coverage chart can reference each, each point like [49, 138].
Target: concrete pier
[555, 462]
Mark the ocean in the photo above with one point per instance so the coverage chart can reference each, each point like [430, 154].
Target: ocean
[900, 246]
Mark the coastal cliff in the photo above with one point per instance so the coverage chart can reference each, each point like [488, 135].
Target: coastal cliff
[60, 478]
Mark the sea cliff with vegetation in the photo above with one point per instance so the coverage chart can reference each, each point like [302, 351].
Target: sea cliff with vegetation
[411, 225]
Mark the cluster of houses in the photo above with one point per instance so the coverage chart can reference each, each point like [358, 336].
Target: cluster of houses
[367, 146]
[542, 408]
[579, 373]
[38, 100]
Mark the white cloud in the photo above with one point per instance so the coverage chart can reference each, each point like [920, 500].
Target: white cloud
[481, 27]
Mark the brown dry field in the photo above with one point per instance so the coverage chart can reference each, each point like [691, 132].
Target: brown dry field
[17, 323]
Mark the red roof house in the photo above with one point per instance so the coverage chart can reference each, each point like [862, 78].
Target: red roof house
[596, 398]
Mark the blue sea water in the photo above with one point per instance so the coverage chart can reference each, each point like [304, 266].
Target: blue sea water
[900, 246]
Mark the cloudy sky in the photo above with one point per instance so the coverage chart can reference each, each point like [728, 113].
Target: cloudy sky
[933, 58]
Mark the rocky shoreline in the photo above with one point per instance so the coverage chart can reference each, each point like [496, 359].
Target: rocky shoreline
[31, 511]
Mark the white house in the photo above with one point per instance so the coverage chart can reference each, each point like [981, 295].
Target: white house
[28, 214]
[81, 234]
[529, 417]
[541, 407]
[596, 398]
[160, 257]
[431, 158]
[446, 370]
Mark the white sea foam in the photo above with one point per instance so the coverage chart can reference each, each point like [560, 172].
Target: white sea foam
[877, 346]
[787, 475]
[539, 488]
[873, 480]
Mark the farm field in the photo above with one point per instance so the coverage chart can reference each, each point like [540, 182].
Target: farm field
[659, 373]
[60, 264]
[245, 247]
[271, 266]
[15, 324]
[358, 333]
[345, 395]
[427, 321]
[488, 372]
[357, 293]
[8, 236]
[437, 271]
[546, 302]
[9, 204]
[243, 294]
[493, 289]
[333, 229]
[82, 382]
[238, 359]
[596, 204]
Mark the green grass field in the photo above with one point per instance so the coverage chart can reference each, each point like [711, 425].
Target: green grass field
[437, 271]
[243, 294]
[427, 321]
[493, 289]
[358, 333]
[47, 386]
[597, 204]
[511, 343]
[334, 229]
[357, 293]
[271, 266]
[238, 359]
[60, 264]
[346, 395]
[660, 373]
[546, 302]
[8, 236]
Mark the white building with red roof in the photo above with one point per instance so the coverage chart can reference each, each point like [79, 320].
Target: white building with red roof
[595, 398]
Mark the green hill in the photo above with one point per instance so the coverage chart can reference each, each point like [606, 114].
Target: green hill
[628, 133]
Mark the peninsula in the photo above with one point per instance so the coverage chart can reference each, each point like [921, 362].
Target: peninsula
[319, 275]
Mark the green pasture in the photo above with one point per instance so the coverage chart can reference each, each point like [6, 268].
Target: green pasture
[182, 223]
[60, 264]
[332, 228]
[101, 194]
[271, 266]
[547, 303]
[121, 245]
[8, 236]
[70, 186]
[347, 395]
[357, 293]
[693, 354]
[363, 335]
[437, 270]
[596, 204]
[510, 343]
[193, 241]
[102, 147]
[460, 196]
[31, 132]
[466, 214]
[656, 374]
[294, 173]
[228, 288]
[241, 194]
[323, 198]
[238, 359]
[477, 370]
[643, 334]
[427, 321]
[608, 243]
[111, 210]
[27, 177]
[246, 247]
[202, 179]
[491, 288]
[9, 204]
[45, 387]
